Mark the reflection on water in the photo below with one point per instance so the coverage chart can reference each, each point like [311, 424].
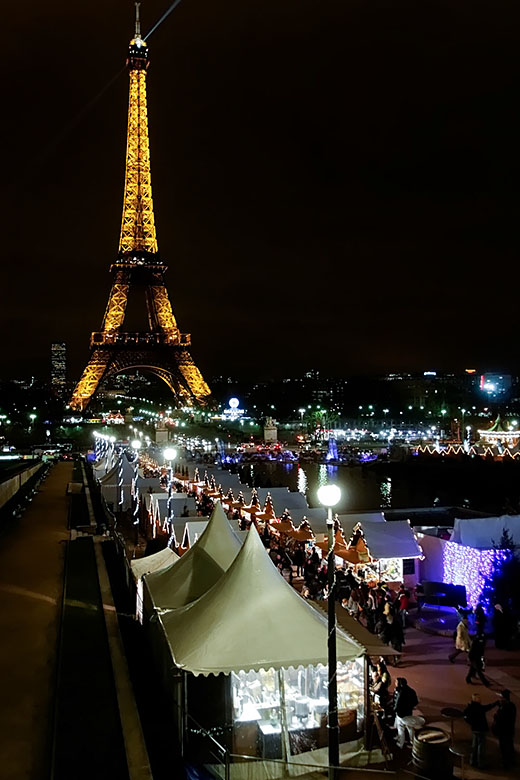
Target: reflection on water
[359, 490]
[487, 487]
[385, 489]
[302, 480]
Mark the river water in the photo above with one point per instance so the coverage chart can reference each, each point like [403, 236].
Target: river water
[492, 487]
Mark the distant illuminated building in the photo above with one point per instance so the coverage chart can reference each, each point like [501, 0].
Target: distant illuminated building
[495, 385]
[58, 367]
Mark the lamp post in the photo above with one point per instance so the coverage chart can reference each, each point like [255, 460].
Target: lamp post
[169, 455]
[329, 495]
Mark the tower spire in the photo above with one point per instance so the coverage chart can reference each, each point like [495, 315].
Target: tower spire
[137, 21]
[138, 240]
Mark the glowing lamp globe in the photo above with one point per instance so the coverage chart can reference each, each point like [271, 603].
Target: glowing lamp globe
[170, 454]
[136, 444]
[329, 495]
[233, 403]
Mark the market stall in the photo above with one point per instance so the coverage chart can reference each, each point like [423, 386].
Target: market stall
[149, 563]
[197, 570]
[381, 546]
[267, 648]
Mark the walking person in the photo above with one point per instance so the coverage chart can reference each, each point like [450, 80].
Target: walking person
[504, 728]
[476, 661]
[475, 716]
[462, 639]
[405, 701]
[480, 620]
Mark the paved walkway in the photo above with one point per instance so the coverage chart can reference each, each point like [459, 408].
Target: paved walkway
[440, 684]
[31, 577]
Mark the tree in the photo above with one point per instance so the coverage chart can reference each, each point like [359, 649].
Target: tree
[502, 585]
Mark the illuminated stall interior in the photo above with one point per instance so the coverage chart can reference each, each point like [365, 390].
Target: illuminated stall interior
[266, 649]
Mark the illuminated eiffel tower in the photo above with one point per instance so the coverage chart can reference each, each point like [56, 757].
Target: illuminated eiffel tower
[161, 349]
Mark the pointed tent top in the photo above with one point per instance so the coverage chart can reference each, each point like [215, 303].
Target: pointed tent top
[199, 568]
[278, 628]
[498, 426]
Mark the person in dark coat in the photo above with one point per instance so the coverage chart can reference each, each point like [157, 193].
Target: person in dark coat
[475, 716]
[476, 661]
[504, 728]
[480, 620]
[405, 700]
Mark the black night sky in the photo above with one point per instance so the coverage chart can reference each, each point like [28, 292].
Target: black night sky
[336, 182]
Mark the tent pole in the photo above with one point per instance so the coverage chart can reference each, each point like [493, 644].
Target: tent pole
[286, 748]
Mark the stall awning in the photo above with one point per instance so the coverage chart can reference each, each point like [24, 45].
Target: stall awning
[485, 532]
[390, 539]
[372, 644]
[251, 619]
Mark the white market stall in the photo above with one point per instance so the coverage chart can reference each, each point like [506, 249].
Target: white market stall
[257, 641]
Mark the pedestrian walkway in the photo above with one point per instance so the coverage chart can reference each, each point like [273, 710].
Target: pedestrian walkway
[61, 703]
[88, 738]
[31, 577]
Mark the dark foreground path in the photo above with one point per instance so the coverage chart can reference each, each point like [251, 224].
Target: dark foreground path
[31, 577]
[88, 738]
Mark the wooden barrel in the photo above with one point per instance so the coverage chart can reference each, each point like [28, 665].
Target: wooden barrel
[431, 753]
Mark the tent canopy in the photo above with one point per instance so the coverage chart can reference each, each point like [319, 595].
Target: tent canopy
[251, 619]
[485, 532]
[199, 568]
[155, 562]
[282, 498]
[390, 539]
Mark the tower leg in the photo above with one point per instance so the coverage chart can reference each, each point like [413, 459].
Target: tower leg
[94, 372]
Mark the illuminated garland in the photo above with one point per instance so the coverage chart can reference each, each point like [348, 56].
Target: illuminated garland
[470, 567]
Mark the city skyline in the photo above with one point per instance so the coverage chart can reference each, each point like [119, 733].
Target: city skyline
[332, 188]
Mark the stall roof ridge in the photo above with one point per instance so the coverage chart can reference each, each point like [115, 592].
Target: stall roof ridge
[250, 619]
[199, 568]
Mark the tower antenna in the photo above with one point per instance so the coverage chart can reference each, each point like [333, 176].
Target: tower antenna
[137, 21]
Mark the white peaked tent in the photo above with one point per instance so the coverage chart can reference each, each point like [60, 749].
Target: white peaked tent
[198, 569]
[155, 562]
[250, 619]
[141, 566]
[110, 489]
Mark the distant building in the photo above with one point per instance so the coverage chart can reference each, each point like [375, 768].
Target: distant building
[58, 367]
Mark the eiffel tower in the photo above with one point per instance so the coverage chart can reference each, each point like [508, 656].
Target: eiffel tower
[162, 349]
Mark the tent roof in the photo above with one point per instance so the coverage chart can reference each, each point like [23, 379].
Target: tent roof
[194, 529]
[282, 497]
[485, 532]
[251, 619]
[393, 539]
[199, 568]
[111, 477]
[145, 483]
[222, 477]
[142, 566]
[317, 518]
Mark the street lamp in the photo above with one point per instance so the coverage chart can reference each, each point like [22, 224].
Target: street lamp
[329, 495]
[302, 412]
[169, 455]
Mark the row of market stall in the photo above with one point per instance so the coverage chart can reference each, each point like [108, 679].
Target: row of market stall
[384, 550]
[227, 629]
